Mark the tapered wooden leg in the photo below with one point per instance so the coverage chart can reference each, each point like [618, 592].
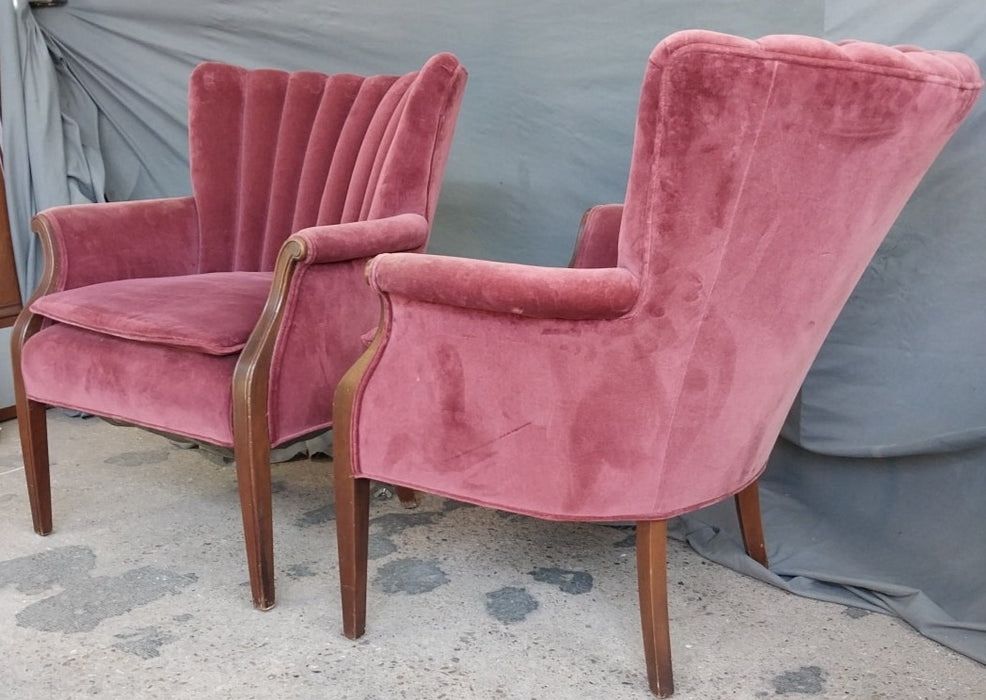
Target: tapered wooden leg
[253, 481]
[652, 584]
[407, 497]
[352, 534]
[751, 524]
[33, 425]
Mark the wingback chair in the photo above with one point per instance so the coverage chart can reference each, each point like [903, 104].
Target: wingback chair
[228, 316]
[653, 377]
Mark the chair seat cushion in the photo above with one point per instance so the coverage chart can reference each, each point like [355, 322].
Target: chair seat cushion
[213, 313]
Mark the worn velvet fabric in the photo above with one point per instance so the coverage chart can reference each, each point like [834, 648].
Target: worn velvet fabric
[764, 175]
[152, 300]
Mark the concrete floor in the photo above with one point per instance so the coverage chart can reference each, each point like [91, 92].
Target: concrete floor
[141, 592]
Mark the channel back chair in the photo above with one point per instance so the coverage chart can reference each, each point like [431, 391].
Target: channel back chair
[227, 317]
[651, 378]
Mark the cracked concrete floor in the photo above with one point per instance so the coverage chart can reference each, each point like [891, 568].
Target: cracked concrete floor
[141, 592]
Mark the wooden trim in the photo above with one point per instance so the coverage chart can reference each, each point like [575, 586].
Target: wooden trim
[8, 413]
[10, 295]
[251, 436]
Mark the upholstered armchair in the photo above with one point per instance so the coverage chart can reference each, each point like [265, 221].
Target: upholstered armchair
[228, 316]
[652, 377]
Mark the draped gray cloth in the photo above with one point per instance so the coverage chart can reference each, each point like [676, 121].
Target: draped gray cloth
[49, 136]
[872, 497]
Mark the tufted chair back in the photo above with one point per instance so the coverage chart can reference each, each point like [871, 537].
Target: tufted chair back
[274, 152]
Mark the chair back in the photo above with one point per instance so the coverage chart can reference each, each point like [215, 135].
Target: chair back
[273, 152]
[764, 176]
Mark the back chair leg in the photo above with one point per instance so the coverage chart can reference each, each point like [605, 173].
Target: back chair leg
[652, 584]
[407, 497]
[352, 533]
[751, 524]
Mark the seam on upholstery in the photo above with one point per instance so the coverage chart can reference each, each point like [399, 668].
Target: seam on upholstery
[848, 63]
[715, 280]
[230, 263]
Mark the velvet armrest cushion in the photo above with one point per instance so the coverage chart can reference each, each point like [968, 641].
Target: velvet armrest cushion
[598, 243]
[363, 239]
[508, 288]
[92, 243]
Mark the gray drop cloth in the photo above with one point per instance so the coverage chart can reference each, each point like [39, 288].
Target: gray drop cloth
[874, 496]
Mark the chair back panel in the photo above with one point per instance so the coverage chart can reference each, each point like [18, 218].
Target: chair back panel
[274, 152]
[764, 177]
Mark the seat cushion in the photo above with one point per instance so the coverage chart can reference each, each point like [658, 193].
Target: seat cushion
[212, 313]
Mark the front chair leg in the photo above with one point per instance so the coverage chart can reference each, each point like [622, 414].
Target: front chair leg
[352, 534]
[652, 584]
[750, 522]
[253, 476]
[32, 423]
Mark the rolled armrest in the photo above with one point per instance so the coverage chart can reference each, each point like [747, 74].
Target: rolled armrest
[89, 243]
[363, 239]
[599, 237]
[522, 290]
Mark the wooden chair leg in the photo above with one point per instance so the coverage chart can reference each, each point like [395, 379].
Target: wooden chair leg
[253, 476]
[32, 423]
[408, 497]
[652, 584]
[750, 522]
[352, 533]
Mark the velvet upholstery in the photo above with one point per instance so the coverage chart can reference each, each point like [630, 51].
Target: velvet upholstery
[652, 377]
[247, 296]
[764, 176]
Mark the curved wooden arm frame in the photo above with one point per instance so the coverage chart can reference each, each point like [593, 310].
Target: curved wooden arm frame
[250, 431]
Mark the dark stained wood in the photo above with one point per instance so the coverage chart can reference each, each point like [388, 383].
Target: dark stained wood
[10, 295]
[352, 496]
[31, 419]
[251, 438]
[751, 524]
[33, 426]
[407, 497]
[8, 413]
[652, 585]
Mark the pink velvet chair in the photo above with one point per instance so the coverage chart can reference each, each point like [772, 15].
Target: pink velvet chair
[651, 378]
[229, 316]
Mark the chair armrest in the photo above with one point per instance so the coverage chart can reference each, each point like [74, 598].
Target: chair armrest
[363, 239]
[599, 237]
[88, 243]
[508, 288]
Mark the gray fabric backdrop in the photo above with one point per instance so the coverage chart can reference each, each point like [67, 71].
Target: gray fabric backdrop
[873, 498]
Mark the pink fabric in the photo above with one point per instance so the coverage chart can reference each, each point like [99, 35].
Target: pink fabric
[523, 290]
[764, 175]
[167, 310]
[274, 152]
[175, 391]
[101, 242]
[155, 299]
[363, 239]
[598, 244]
